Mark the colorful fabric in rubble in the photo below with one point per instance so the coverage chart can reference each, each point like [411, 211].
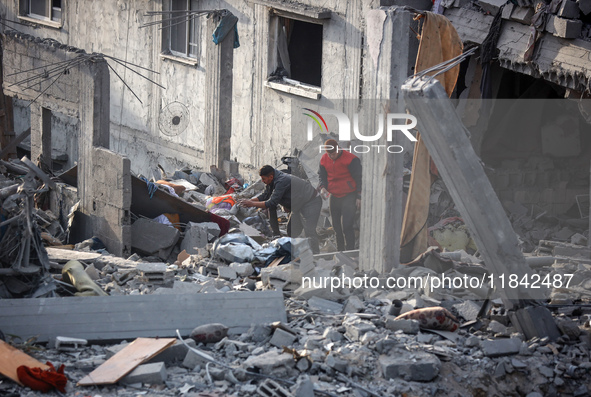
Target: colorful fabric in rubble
[225, 202]
[43, 380]
[433, 318]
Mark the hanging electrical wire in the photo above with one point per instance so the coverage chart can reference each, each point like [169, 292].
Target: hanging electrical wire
[52, 72]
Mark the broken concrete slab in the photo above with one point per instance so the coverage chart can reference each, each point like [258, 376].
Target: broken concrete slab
[501, 347]
[406, 326]
[324, 305]
[282, 338]
[196, 236]
[491, 6]
[565, 28]
[417, 366]
[272, 362]
[131, 316]
[568, 9]
[149, 237]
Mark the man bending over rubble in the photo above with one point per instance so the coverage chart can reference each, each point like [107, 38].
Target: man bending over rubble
[295, 195]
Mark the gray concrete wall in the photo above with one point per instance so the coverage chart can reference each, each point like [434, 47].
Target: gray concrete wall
[260, 116]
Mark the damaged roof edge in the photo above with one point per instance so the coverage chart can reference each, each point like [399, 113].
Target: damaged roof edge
[556, 60]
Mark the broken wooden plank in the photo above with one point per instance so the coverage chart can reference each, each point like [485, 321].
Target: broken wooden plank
[11, 358]
[125, 361]
[130, 316]
[64, 255]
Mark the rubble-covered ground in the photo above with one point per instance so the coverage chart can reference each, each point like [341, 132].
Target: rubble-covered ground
[341, 342]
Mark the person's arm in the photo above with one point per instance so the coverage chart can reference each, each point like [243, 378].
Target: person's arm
[254, 202]
[280, 187]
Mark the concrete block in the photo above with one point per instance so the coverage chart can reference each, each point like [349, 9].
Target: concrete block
[569, 9]
[332, 334]
[522, 15]
[149, 237]
[325, 305]
[507, 11]
[212, 228]
[565, 28]
[242, 269]
[175, 353]
[195, 237]
[227, 273]
[585, 6]
[355, 331]
[192, 360]
[271, 362]
[338, 364]
[406, 326]
[468, 310]
[282, 338]
[501, 347]
[153, 374]
[416, 366]
[491, 6]
[353, 305]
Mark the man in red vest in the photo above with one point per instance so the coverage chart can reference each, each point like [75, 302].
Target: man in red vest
[340, 177]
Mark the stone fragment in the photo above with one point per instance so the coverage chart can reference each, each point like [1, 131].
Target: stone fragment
[568, 29]
[491, 6]
[501, 347]
[282, 338]
[411, 366]
[272, 362]
[149, 237]
[195, 237]
[153, 374]
[468, 310]
[353, 305]
[325, 305]
[406, 326]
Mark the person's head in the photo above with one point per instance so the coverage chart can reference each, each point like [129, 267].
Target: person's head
[267, 173]
[331, 146]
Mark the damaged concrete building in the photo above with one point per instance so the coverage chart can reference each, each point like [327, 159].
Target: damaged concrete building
[110, 90]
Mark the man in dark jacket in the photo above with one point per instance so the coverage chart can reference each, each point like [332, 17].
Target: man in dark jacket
[294, 194]
[340, 176]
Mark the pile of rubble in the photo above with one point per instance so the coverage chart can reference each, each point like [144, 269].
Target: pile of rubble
[422, 339]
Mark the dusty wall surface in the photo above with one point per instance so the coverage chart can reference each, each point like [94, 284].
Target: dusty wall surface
[261, 116]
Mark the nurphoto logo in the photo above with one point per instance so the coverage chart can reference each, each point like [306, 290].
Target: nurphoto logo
[344, 123]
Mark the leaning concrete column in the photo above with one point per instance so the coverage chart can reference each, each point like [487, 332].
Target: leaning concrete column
[382, 200]
[218, 94]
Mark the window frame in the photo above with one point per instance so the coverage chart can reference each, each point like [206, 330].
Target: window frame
[55, 14]
[290, 85]
[192, 36]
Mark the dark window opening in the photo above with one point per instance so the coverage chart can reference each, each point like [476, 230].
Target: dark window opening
[299, 51]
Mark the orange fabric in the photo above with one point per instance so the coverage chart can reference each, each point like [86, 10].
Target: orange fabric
[439, 43]
[175, 220]
[43, 380]
[178, 189]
